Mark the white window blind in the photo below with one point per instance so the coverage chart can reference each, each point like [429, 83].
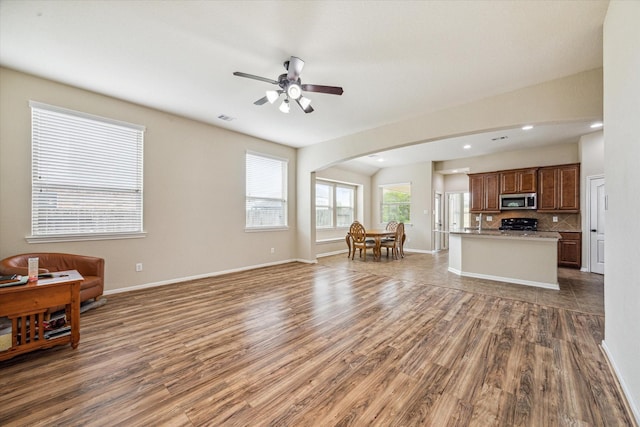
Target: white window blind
[266, 191]
[86, 174]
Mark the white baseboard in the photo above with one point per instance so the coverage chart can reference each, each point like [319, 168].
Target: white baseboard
[342, 251]
[634, 409]
[545, 285]
[201, 276]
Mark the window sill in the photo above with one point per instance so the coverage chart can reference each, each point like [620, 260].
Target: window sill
[84, 237]
[259, 229]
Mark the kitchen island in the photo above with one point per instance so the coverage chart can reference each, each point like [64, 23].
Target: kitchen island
[521, 257]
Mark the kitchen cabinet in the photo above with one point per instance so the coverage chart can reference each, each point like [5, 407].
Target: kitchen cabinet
[570, 250]
[484, 190]
[519, 181]
[559, 188]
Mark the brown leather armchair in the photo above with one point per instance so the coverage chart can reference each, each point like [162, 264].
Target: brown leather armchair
[91, 268]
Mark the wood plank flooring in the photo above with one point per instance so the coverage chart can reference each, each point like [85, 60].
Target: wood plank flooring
[338, 343]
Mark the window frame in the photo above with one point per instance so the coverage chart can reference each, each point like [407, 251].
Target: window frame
[382, 187]
[284, 163]
[333, 205]
[88, 127]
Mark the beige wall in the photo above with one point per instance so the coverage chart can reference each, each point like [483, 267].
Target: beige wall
[456, 183]
[622, 170]
[542, 156]
[193, 190]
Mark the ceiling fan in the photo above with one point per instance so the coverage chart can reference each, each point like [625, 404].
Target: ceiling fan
[291, 86]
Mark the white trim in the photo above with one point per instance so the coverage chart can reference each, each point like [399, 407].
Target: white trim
[330, 240]
[197, 276]
[625, 389]
[419, 251]
[545, 285]
[325, 254]
[85, 237]
[43, 106]
[269, 228]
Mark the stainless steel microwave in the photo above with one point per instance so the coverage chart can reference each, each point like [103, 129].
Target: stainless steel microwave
[518, 201]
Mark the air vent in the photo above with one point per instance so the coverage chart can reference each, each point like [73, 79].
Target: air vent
[226, 118]
[499, 138]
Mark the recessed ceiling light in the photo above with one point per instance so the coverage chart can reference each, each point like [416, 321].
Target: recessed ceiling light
[455, 171]
[527, 127]
[381, 159]
[596, 125]
[466, 147]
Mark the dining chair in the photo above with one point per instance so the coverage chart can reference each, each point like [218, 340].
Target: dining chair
[349, 239]
[395, 244]
[359, 240]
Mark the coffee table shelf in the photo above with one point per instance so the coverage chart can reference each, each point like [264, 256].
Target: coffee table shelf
[27, 306]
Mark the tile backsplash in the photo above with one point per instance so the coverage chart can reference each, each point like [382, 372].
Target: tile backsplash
[566, 222]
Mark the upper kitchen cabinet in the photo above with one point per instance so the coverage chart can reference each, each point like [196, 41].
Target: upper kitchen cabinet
[519, 181]
[559, 188]
[484, 190]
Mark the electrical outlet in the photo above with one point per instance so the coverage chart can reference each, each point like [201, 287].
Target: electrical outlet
[555, 219]
[139, 267]
[489, 218]
[273, 250]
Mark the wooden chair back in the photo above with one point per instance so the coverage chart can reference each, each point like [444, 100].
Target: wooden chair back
[392, 225]
[358, 233]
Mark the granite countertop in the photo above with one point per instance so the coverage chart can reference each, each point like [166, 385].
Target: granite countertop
[491, 232]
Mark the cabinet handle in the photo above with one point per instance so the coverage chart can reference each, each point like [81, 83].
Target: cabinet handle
[593, 230]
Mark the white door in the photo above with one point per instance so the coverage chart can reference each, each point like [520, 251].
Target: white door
[596, 224]
[437, 222]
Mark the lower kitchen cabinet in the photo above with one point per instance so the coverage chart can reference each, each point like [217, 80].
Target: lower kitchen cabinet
[570, 250]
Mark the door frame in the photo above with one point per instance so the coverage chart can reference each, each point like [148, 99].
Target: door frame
[586, 240]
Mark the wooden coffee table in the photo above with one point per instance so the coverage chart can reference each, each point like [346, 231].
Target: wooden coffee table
[26, 306]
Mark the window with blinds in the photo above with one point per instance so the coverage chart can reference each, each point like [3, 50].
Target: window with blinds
[266, 191]
[86, 175]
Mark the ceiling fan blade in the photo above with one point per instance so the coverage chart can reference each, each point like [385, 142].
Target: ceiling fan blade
[251, 76]
[332, 90]
[307, 110]
[261, 100]
[295, 68]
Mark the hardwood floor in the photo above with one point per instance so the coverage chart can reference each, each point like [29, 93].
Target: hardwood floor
[337, 343]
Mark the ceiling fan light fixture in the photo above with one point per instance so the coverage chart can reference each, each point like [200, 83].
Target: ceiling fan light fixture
[272, 96]
[294, 91]
[304, 102]
[284, 107]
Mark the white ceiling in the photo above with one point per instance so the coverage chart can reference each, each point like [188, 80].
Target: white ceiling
[394, 59]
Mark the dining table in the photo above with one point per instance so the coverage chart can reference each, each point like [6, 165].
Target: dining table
[377, 234]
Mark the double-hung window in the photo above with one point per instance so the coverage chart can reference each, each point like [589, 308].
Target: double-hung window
[335, 204]
[86, 176]
[396, 203]
[266, 191]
